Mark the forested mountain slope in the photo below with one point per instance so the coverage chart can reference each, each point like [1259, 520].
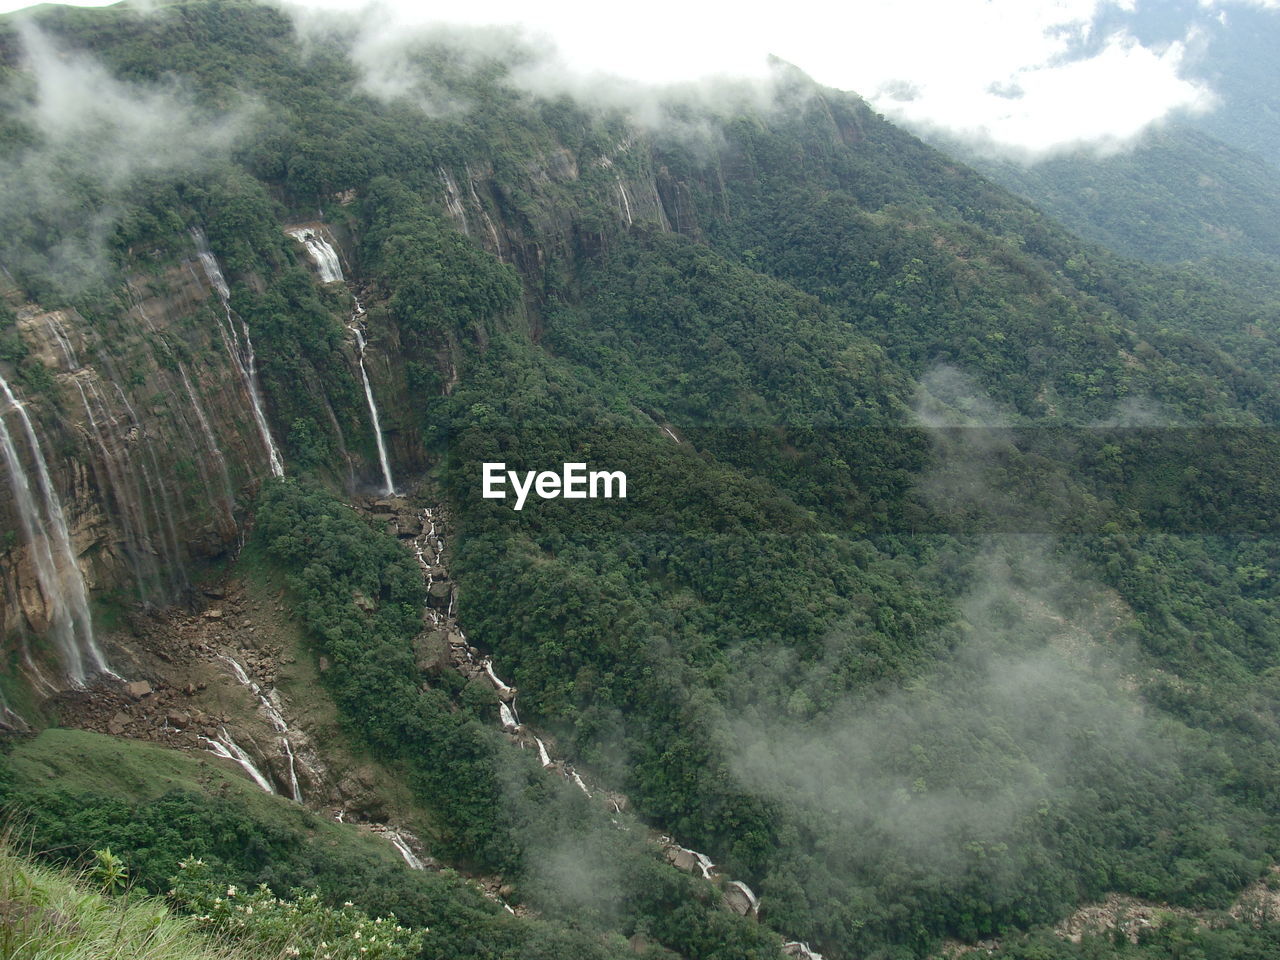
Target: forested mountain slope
[943, 598]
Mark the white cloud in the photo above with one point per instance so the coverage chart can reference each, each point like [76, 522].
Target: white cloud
[999, 68]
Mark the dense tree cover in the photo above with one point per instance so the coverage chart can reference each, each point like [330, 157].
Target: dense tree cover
[792, 645]
[1222, 939]
[495, 806]
[1176, 194]
[241, 847]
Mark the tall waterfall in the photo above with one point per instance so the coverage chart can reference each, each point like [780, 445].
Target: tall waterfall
[321, 253]
[211, 442]
[387, 485]
[243, 359]
[45, 528]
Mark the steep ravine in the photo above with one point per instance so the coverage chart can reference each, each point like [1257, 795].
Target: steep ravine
[444, 645]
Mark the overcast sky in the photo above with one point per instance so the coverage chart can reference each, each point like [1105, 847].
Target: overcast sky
[1009, 70]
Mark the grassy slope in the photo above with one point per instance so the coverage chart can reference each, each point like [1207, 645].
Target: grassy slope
[49, 914]
[78, 761]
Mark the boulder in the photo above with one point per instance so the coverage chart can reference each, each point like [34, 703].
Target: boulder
[681, 858]
[137, 689]
[738, 898]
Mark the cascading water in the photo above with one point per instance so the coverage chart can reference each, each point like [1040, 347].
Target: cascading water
[161, 507]
[388, 488]
[799, 950]
[245, 362]
[453, 199]
[504, 691]
[277, 465]
[59, 333]
[273, 713]
[321, 252]
[626, 204]
[127, 501]
[484, 214]
[211, 442]
[294, 788]
[428, 547]
[397, 840]
[228, 749]
[509, 721]
[59, 575]
[544, 758]
[746, 892]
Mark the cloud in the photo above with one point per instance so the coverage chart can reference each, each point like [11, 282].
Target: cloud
[1031, 77]
[1102, 102]
[959, 764]
[86, 137]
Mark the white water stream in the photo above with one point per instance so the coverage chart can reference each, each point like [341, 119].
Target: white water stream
[228, 749]
[321, 252]
[799, 951]
[388, 487]
[244, 360]
[44, 526]
[268, 706]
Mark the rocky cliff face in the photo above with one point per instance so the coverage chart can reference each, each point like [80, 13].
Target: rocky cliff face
[153, 427]
[148, 439]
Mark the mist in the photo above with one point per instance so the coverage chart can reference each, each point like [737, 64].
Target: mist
[1021, 712]
[86, 139]
[1021, 80]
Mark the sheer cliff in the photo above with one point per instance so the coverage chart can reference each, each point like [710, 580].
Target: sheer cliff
[926, 614]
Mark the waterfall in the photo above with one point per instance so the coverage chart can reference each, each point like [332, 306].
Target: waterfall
[453, 199]
[543, 757]
[59, 333]
[293, 770]
[228, 749]
[799, 951]
[277, 465]
[388, 488]
[45, 528]
[211, 442]
[160, 505]
[410, 858]
[321, 253]
[245, 363]
[488, 222]
[273, 713]
[509, 721]
[128, 504]
[210, 264]
[573, 775]
[626, 204]
[746, 892]
[504, 691]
